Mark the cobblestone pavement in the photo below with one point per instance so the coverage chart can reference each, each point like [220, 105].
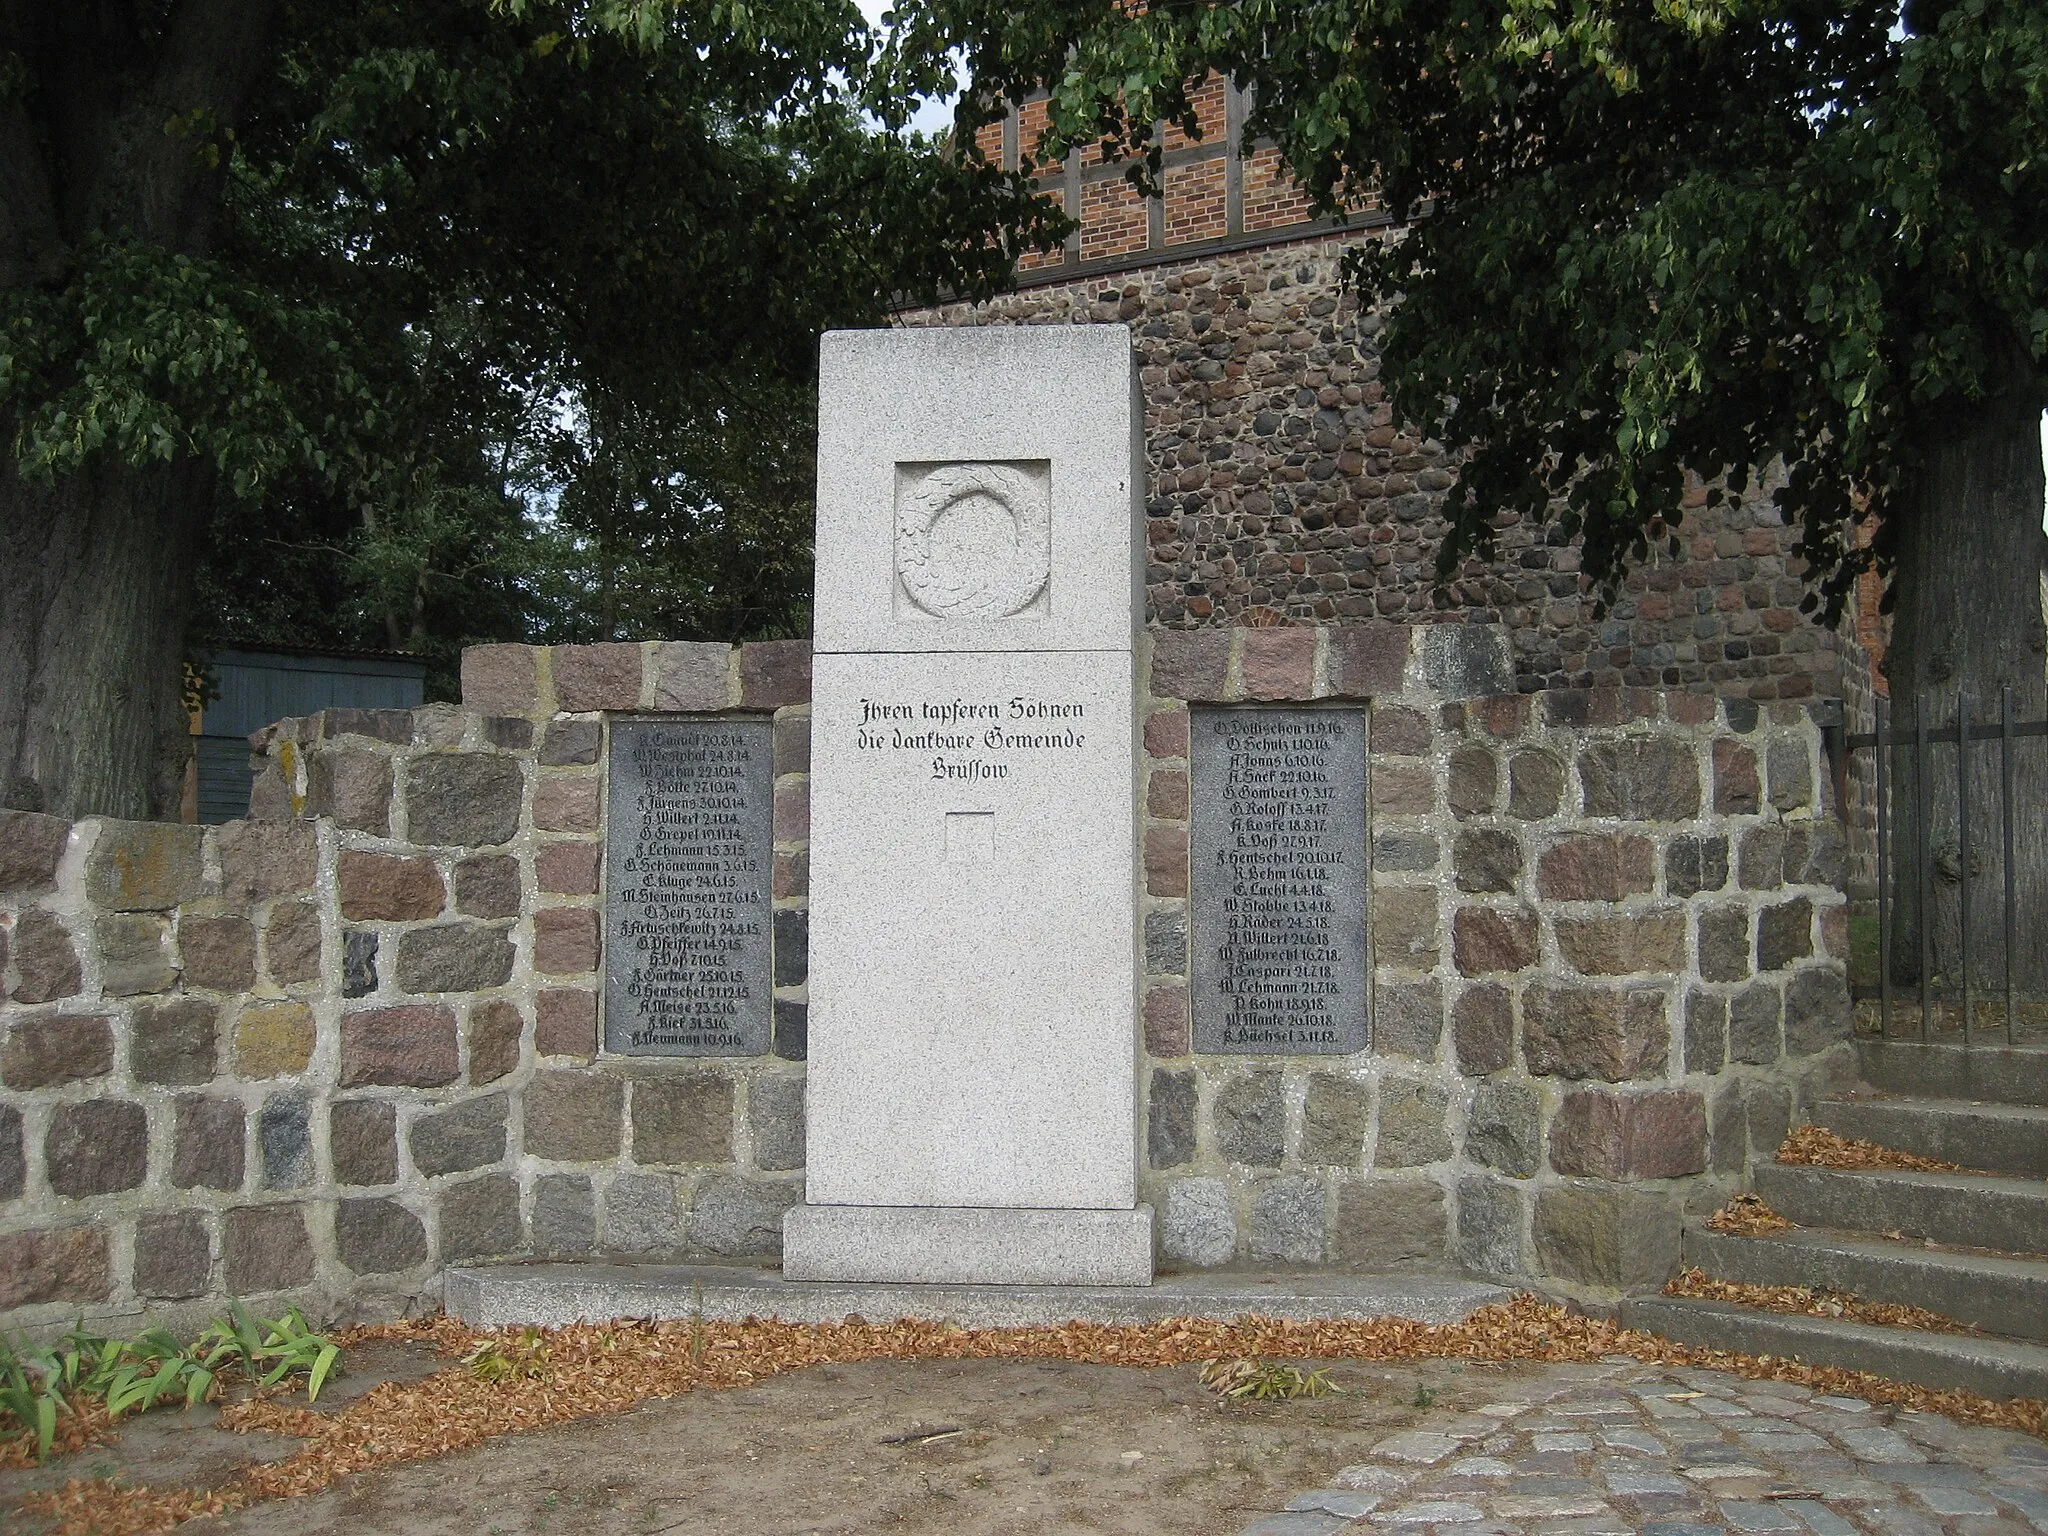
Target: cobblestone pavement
[1627, 1448]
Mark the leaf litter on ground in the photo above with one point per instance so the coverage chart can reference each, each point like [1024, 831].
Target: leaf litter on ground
[1747, 1215]
[1811, 1301]
[1817, 1147]
[599, 1370]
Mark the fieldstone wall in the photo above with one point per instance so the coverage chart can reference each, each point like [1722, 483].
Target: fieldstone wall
[1282, 488]
[1607, 940]
[319, 1054]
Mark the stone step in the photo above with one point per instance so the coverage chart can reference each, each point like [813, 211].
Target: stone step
[1968, 1210]
[550, 1295]
[1996, 1368]
[1992, 1073]
[2000, 1295]
[2005, 1138]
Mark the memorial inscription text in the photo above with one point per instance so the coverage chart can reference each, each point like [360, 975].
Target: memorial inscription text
[971, 739]
[688, 850]
[1279, 872]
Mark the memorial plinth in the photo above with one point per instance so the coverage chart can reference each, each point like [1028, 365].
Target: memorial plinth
[972, 1076]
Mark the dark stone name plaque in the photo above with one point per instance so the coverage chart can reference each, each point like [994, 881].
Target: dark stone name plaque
[1279, 881]
[689, 844]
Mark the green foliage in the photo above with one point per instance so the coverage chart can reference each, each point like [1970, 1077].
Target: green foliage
[126, 1374]
[32, 1390]
[135, 1375]
[606, 238]
[508, 326]
[1666, 236]
[37, 1383]
[269, 1351]
[1254, 1381]
[524, 1355]
[150, 356]
[704, 532]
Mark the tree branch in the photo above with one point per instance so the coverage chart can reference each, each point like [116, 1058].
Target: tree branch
[32, 245]
[162, 184]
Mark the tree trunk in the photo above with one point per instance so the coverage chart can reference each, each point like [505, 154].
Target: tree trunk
[102, 131]
[96, 579]
[1968, 621]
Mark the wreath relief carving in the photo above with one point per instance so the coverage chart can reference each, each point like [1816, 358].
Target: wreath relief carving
[973, 541]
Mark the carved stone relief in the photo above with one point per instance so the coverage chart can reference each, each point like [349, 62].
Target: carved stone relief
[973, 541]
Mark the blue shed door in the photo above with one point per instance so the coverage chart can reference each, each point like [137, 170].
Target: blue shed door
[259, 688]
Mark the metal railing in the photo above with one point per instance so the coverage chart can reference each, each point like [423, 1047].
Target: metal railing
[1921, 737]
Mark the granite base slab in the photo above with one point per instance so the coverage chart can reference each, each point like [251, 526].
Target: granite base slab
[550, 1295]
[967, 1245]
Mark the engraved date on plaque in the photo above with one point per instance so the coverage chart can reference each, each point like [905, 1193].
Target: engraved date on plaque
[1279, 870]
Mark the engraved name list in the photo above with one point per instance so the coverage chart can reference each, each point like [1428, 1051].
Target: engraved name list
[688, 930]
[1279, 881]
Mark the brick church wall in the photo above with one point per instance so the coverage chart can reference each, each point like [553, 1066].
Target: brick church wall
[1282, 489]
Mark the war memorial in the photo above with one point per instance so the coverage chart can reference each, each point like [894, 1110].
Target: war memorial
[994, 947]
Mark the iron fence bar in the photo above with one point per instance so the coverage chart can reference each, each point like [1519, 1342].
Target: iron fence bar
[1963, 848]
[1884, 905]
[1920, 844]
[2005, 802]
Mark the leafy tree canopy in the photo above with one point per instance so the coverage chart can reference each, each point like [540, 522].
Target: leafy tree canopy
[1662, 234]
[440, 262]
[1802, 237]
[631, 242]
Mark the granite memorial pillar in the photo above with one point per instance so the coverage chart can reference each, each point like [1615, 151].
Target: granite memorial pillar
[972, 1077]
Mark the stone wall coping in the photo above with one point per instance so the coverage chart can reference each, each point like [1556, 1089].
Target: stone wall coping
[1235, 663]
[642, 676]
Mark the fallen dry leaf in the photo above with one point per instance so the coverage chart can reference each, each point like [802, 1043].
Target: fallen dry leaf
[607, 1369]
[1747, 1216]
[86, 1423]
[261, 1416]
[1820, 1148]
[1811, 1301]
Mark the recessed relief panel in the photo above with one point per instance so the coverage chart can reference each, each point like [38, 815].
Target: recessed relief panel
[689, 845]
[1279, 881]
[970, 837]
[973, 541]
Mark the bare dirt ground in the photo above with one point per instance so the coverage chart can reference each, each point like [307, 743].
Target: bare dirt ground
[1041, 1447]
